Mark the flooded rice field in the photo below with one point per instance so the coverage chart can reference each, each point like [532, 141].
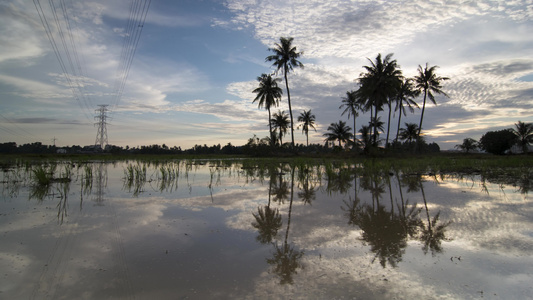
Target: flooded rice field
[235, 230]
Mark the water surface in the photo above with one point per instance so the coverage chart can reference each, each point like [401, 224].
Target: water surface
[227, 230]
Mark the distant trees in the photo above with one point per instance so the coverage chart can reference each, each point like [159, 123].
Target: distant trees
[497, 142]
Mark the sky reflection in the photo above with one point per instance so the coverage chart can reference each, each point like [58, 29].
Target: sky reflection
[229, 231]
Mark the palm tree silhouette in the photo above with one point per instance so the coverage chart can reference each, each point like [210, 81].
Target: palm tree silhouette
[432, 235]
[524, 134]
[409, 133]
[280, 122]
[338, 132]
[379, 84]
[307, 120]
[286, 259]
[405, 98]
[285, 58]
[428, 82]
[269, 95]
[267, 222]
[366, 138]
[351, 106]
[376, 123]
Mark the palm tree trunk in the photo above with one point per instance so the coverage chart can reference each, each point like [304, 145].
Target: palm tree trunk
[399, 121]
[354, 132]
[422, 115]
[307, 138]
[270, 128]
[375, 126]
[388, 125]
[290, 108]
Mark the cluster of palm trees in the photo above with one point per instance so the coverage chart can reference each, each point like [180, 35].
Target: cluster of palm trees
[381, 87]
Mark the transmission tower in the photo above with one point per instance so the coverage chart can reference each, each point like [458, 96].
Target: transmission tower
[101, 122]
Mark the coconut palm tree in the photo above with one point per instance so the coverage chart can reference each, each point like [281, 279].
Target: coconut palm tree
[351, 105]
[280, 122]
[338, 132]
[428, 82]
[366, 137]
[405, 98]
[379, 84]
[524, 134]
[468, 144]
[307, 120]
[285, 58]
[269, 95]
[409, 133]
[376, 123]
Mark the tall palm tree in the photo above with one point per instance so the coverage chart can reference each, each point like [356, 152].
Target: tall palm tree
[285, 58]
[379, 84]
[405, 98]
[409, 133]
[280, 122]
[338, 132]
[307, 120]
[351, 105]
[524, 134]
[269, 95]
[428, 82]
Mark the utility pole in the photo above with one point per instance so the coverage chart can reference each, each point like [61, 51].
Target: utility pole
[101, 122]
[54, 141]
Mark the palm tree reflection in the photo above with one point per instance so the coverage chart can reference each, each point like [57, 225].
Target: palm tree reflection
[285, 258]
[432, 235]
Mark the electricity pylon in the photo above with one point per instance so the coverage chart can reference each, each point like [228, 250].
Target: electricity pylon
[101, 133]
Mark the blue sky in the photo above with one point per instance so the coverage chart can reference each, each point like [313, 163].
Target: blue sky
[196, 64]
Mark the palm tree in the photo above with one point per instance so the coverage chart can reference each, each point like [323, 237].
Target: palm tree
[409, 133]
[366, 137]
[428, 82]
[379, 84]
[406, 95]
[280, 122]
[307, 119]
[376, 123]
[351, 106]
[269, 95]
[338, 132]
[468, 144]
[285, 58]
[524, 134]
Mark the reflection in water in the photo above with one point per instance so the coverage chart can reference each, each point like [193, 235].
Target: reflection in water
[161, 242]
[101, 182]
[286, 259]
[434, 233]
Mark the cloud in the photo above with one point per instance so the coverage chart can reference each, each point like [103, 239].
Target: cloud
[18, 35]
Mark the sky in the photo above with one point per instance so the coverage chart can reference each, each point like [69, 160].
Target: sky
[181, 73]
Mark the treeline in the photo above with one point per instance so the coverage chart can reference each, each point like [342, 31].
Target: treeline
[516, 140]
[254, 147]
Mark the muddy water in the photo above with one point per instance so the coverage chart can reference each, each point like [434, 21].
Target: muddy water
[216, 230]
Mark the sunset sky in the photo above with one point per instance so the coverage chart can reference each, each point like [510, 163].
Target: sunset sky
[195, 65]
